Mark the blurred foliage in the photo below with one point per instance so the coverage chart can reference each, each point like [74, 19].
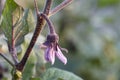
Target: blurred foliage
[103, 3]
[7, 20]
[90, 30]
[55, 74]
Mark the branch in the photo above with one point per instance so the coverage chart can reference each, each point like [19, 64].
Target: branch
[59, 7]
[47, 7]
[50, 25]
[36, 7]
[7, 59]
[40, 24]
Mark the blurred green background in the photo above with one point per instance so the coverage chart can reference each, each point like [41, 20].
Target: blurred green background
[90, 30]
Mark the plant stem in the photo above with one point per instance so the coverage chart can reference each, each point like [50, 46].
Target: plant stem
[59, 7]
[47, 7]
[7, 60]
[36, 7]
[40, 24]
[50, 25]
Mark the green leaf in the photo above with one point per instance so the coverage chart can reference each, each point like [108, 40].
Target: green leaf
[30, 67]
[7, 22]
[35, 79]
[58, 74]
[103, 3]
[25, 25]
[22, 29]
[17, 21]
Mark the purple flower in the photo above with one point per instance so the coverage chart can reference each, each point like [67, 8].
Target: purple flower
[53, 49]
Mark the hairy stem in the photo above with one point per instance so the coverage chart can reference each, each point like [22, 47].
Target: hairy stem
[39, 26]
[50, 25]
[47, 7]
[59, 7]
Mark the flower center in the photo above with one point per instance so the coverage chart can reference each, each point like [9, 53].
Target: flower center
[52, 38]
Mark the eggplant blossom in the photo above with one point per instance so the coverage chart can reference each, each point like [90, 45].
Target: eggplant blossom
[53, 49]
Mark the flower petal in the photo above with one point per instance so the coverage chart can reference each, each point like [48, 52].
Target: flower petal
[64, 49]
[60, 55]
[50, 55]
[47, 54]
[42, 46]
